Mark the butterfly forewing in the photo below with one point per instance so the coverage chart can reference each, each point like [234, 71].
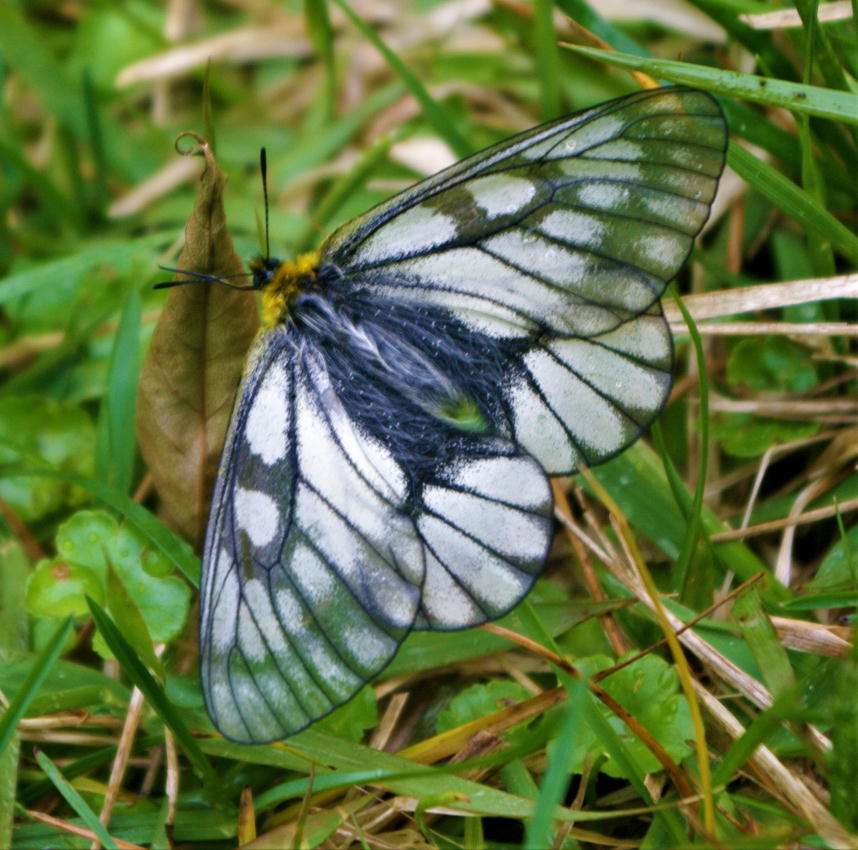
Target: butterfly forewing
[568, 233]
[595, 213]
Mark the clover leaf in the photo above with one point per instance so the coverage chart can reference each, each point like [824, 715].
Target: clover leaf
[93, 550]
[649, 690]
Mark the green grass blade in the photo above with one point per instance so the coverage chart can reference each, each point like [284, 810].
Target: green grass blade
[818, 43]
[758, 43]
[74, 799]
[23, 50]
[844, 756]
[435, 113]
[13, 640]
[95, 133]
[794, 201]
[583, 13]
[327, 142]
[37, 675]
[343, 188]
[547, 58]
[116, 442]
[136, 671]
[690, 578]
[322, 36]
[756, 733]
[122, 256]
[395, 773]
[636, 480]
[798, 97]
[74, 768]
[820, 250]
[56, 204]
[555, 780]
[761, 637]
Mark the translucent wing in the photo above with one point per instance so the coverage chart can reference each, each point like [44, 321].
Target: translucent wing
[580, 399]
[311, 573]
[555, 246]
[486, 526]
[322, 552]
[573, 228]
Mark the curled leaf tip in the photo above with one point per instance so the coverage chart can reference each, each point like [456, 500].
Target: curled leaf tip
[201, 146]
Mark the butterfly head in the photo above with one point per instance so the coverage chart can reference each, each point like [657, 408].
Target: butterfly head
[280, 281]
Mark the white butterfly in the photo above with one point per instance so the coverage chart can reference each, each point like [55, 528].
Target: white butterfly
[417, 381]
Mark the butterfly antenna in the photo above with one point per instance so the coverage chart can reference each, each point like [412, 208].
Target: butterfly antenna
[263, 170]
[199, 277]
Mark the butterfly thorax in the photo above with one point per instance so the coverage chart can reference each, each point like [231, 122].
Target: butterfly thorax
[281, 281]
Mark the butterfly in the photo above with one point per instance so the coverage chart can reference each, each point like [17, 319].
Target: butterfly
[417, 380]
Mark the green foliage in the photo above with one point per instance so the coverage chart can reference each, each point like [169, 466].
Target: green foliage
[649, 690]
[58, 433]
[839, 566]
[771, 363]
[479, 700]
[352, 720]
[744, 435]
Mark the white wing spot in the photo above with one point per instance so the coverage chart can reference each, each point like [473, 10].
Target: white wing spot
[225, 611]
[257, 599]
[257, 514]
[603, 195]
[586, 135]
[444, 600]
[314, 577]
[666, 251]
[416, 229]
[266, 426]
[517, 480]
[591, 419]
[249, 637]
[500, 194]
[566, 224]
[630, 383]
[645, 337]
[564, 266]
[621, 149]
[539, 431]
[369, 646]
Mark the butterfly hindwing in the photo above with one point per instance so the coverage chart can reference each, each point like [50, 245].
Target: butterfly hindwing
[486, 527]
[322, 552]
[312, 572]
[583, 399]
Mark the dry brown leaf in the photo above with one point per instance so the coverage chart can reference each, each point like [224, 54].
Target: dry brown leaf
[194, 364]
